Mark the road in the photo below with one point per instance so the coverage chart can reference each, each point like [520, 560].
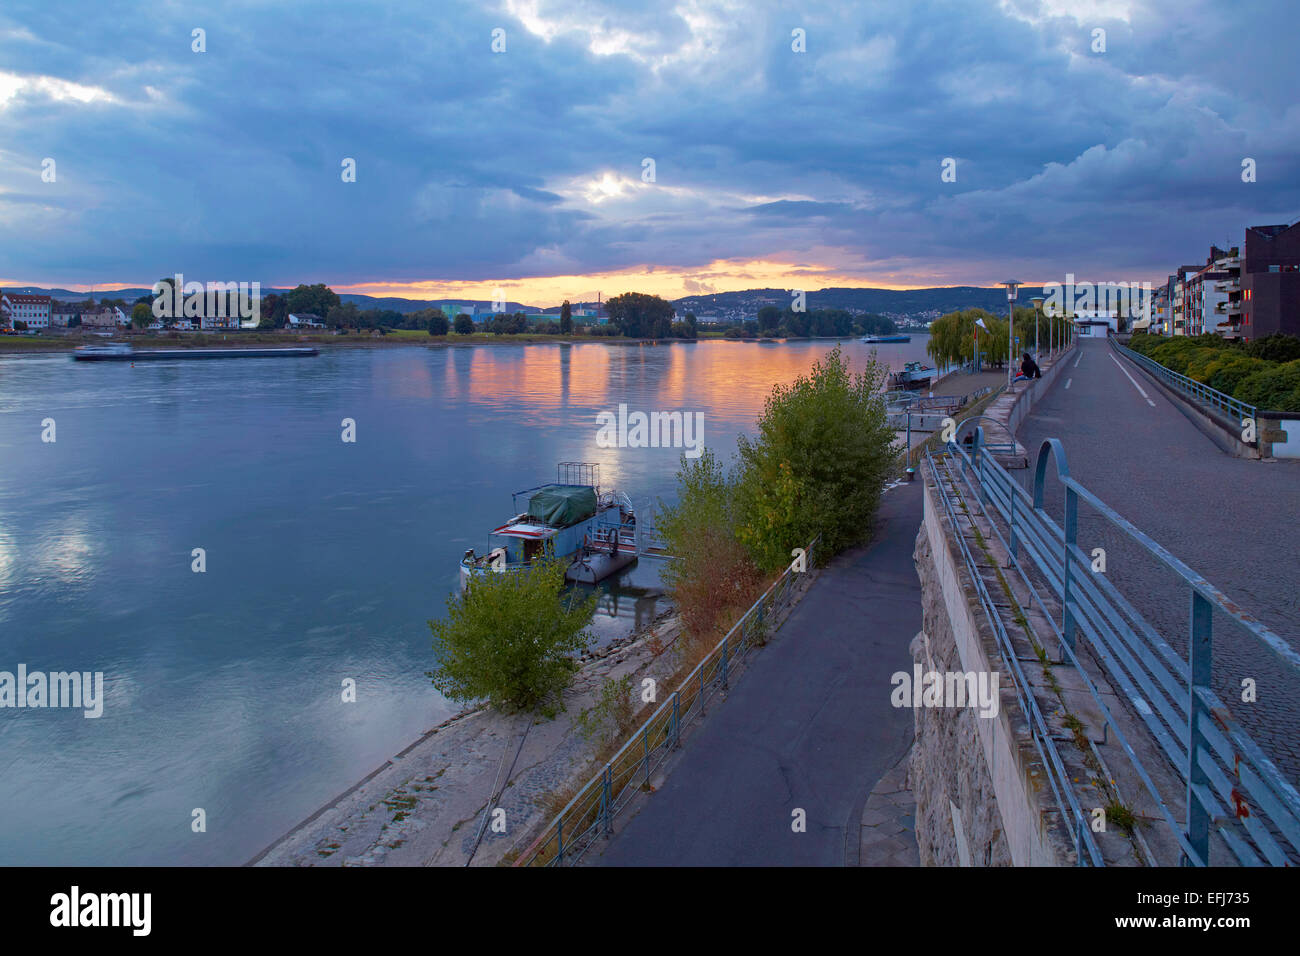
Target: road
[809, 726]
[1235, 521]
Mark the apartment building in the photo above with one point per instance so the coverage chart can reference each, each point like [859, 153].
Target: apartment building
[24, 307]
[1269, 281]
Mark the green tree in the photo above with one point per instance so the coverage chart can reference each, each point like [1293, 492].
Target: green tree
[511, 638]
[438, 324]
[316, 299]
[566, 318]
[341, 315]
[769, 318]
[819, 463]
[641, 316]
[141, 316]
[464, 325]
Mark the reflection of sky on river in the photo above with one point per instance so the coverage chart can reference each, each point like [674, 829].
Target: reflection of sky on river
[324, 560]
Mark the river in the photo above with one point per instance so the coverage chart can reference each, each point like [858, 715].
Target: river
[323, 561]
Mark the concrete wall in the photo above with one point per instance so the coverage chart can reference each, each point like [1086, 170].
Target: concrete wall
[979, 785]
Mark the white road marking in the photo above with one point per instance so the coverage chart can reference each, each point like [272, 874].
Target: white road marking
[1068, 381]
[1133, 380]
[1079, 359]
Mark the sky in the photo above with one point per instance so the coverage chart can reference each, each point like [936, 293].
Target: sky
[126, 154]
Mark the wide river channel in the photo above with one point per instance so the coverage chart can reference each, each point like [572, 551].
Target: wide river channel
[324, 559]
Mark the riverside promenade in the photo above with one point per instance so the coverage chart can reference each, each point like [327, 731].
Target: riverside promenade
[1230, 519]
[809, 726]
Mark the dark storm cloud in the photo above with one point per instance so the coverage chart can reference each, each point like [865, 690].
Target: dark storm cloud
[477, 165]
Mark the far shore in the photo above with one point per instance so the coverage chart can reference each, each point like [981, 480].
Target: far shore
[23, 345]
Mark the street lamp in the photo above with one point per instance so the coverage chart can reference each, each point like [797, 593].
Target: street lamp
[1038, 310]
[1012, 285]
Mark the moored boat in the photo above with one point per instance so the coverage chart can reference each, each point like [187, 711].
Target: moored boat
[876, 339]
[572, 519]
[912, 375]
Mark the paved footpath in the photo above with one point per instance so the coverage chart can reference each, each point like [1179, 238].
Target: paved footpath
[807, 726]
[1234, 520]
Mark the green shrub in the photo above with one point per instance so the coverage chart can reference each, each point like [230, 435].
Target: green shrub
[511, 639]
[1273, 389]
[712, 579]
[1277, 347]
[821, 458]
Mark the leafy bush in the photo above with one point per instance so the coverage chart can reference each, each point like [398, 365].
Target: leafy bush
[1277, 347]
[510, 638]
[438, 324]
[711, 578]
[1274, 389]
[464, 325]
[821, 458]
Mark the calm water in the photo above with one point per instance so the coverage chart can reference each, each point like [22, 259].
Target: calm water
[324, 561]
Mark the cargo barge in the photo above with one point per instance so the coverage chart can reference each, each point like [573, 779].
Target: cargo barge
[120, 352]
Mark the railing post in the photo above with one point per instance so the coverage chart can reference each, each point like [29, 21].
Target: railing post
[645, 744]
[559, 841]
[605, 801]
[1199, 651]
[724, 663]
[676, 725]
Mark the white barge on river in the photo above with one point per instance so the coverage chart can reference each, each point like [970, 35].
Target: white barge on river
[595, 530]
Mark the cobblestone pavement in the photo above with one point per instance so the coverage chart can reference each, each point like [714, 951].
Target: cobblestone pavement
[1235, 521]
[888, 835]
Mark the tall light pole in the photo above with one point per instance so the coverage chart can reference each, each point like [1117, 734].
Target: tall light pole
[1038, 310]
[1012, 285]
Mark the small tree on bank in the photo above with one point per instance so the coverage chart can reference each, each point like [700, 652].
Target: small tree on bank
[823, 452]
[510, 638]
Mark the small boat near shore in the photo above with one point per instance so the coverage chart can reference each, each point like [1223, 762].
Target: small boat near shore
[912, 375]
[124, 352]
[879, 339]
[573, 519]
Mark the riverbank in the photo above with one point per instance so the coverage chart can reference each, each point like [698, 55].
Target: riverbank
[428, 804]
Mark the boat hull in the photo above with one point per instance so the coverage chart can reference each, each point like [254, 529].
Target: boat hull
[158, 355]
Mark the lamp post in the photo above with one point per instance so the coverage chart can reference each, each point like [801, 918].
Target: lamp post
[1012, 285]
[1038, 310]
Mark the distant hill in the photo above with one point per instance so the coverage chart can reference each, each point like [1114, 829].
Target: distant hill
[914, 304]
[907, 303]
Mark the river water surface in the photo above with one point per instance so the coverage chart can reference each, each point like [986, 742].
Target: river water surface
[324, 560]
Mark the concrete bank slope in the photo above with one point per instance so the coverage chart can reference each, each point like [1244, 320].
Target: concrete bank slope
[808, 727]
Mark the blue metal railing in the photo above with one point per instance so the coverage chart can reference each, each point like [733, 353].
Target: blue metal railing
[1230, 783]
[591, 812]
[1238, 411]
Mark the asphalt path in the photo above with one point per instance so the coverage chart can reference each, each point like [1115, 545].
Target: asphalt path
[1233, 520]
[807, 727]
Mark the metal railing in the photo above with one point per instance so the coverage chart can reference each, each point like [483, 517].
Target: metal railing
[590, 814]
[1229, 782]
[1191, 387]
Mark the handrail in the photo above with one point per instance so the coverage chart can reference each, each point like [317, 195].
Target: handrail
[1230, 782]
[591, 811]
[1201, 392]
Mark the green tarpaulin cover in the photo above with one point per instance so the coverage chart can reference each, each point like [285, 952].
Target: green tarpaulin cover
[562, 505]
